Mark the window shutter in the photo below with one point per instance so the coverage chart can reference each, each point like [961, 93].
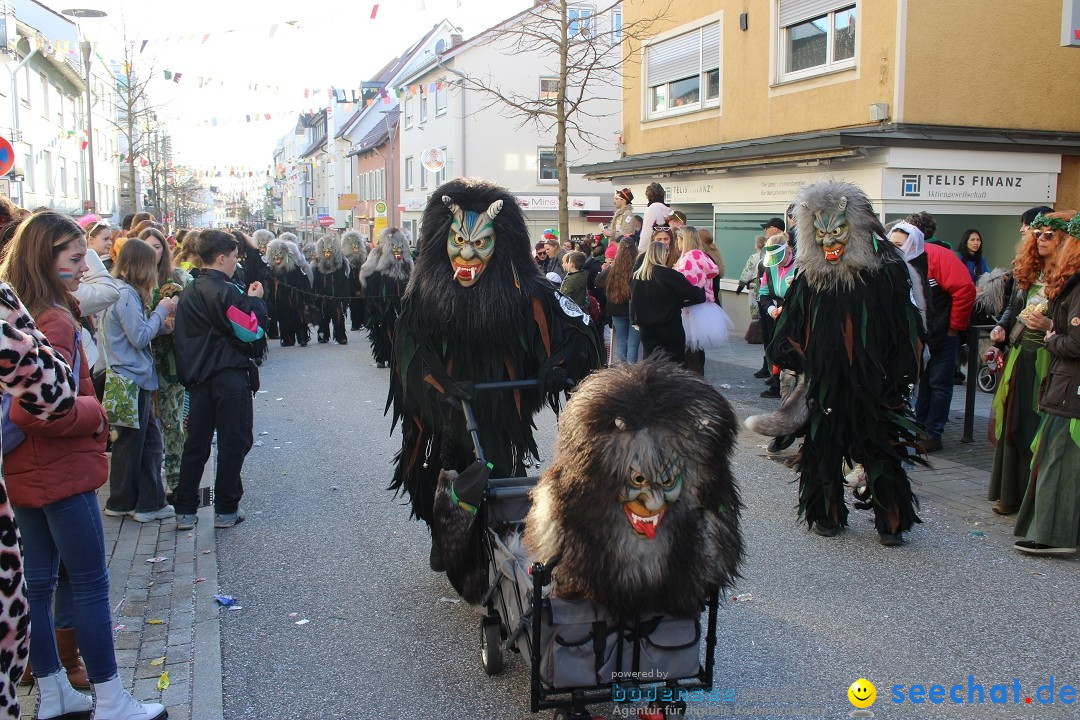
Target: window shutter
[674, 59]
[796, 11]
[710, 47]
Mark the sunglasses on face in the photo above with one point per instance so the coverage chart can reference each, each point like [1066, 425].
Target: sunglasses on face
[1043, 234]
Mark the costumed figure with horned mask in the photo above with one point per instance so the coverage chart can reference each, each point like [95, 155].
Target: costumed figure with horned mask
[383, 279]
[476, 310]
[851, 326]
[290, 277]
[332, 283]
[352, 245]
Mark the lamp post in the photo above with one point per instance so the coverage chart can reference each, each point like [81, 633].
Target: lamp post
[86, 49]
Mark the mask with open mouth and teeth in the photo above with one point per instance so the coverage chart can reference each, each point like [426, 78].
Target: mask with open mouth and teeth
[471, 241]
[648, 494]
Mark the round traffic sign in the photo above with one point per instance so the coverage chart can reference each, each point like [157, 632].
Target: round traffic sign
[7, 156]
[311, 202]
[326, 221]
[380, 207]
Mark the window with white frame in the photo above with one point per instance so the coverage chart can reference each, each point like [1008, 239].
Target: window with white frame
[407, 105]
[440, 98]
[616, 24]
[580, 21]
[28, 170]
[422, 99]
[683, 72]
[546, 172]
[549, 88]
[44, 105]
[423, 176]
[408, 173]
[440, 177]
[816, 36]
[63, 177]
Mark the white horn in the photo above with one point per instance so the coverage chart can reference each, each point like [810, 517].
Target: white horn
[494, 209]
[843, 202]
[620, 423]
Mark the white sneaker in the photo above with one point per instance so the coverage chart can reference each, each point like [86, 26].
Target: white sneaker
[161, 514]
[113, 702]
[57, 699]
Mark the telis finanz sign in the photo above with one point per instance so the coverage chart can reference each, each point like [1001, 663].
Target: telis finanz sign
[969, 186]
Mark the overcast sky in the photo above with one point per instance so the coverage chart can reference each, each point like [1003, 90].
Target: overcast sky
[240, 43]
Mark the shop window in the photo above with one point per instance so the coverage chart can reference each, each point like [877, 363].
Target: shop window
[545, 166]
[683, 72]
[549, 88]
[816, 37]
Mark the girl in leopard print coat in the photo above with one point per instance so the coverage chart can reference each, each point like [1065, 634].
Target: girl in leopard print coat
[36, 377]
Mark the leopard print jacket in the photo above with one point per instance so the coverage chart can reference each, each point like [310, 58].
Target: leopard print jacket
[40, 380]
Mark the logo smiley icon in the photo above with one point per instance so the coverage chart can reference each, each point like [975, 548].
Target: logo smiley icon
[862, 695]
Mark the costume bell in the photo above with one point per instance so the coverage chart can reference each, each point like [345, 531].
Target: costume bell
[851, 325]
[383, 278]
[476, 310]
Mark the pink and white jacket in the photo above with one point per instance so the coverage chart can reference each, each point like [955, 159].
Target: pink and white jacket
[699, 269]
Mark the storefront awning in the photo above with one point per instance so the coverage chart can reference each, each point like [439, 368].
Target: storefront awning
[828, 144]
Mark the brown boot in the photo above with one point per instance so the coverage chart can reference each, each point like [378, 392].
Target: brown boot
[68, 649]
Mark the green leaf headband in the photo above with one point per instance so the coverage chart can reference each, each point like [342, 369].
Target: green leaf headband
[1073, 228]
[1052, 223]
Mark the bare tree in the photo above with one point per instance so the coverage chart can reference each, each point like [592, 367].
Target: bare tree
[188, 200]
[590, 49]
[136, 118]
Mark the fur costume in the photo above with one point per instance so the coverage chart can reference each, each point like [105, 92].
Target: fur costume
[851, 327]
[476, 310]
[352, 245]
[262, 238]
[640, 504]
[332, 283]
[383, 278]
[290, 290]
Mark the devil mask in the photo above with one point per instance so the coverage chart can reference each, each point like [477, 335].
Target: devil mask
[471, 240]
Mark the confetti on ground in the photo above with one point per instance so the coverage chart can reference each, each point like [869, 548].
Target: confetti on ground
[745, 597]
[258, 443]
[279, 398]
[163, 681]
[207, 552]
[977, 533]
[199, 580]
[294, 615]
[155, 621]
[150, 584]
[450, 600]
[264, 433]
[156, 559]
[225, 600]
[237, 607]
[277, 447]
[725, 386]
[305, 621]
[118, 628]
[156, 662]
[263, 391]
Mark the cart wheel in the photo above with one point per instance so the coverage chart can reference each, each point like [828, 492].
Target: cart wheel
[987, 380]
[490, 651]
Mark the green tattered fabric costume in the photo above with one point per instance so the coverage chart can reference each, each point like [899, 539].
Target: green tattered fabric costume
[170, 397]
[859, 350]
[1050, 513]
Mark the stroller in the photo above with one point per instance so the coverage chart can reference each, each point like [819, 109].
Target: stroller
[578, 655]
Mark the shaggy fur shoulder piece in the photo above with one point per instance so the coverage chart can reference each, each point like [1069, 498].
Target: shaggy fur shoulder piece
[990, 292]
[640, 505]
[262, 238]
[837, 211]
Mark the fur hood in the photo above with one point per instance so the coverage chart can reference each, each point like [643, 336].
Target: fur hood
[381, 259]
[352, 246]
[828, 207]
[291, 257]
[262, 238]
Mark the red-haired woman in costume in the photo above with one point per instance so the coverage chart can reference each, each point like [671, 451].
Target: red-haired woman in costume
[1022, 328]
[1049, 518]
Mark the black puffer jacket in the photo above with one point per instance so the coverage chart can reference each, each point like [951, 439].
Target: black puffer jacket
[207, 340]
[1061, 389]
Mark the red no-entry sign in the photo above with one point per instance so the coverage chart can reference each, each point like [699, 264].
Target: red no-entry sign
[7, 156]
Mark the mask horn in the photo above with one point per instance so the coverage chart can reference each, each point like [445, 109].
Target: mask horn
[494, 209]
[620, 423]
[843, 203]
[451, 204]
[805, 205]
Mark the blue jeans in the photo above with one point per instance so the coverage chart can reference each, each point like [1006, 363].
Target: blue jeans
[69, 529]
[627, 338]
[936, 387]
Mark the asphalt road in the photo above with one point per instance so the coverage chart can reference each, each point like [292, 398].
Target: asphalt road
[326, 542]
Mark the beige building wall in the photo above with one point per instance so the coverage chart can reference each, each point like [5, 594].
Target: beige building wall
[1068, 188]
[752, 103]
[990, 63]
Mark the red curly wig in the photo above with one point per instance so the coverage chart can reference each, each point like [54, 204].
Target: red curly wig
[1028, 263]
[1065, 266]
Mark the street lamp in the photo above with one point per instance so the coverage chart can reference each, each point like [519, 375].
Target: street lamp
[86, 49]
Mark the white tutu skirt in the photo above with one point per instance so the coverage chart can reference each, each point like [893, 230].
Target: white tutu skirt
[706, 326]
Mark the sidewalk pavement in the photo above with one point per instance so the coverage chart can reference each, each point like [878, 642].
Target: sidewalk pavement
[165, 617]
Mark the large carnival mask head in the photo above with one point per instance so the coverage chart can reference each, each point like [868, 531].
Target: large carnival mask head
[471, 240]
[278, 257]
[831, 231]
[650, 490]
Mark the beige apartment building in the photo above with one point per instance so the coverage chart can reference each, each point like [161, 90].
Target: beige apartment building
[965, 108]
